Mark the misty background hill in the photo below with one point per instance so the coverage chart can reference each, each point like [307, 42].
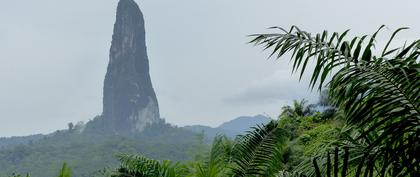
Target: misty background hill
[231, 128]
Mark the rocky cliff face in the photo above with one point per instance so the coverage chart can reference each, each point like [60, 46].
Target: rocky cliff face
[129, 101]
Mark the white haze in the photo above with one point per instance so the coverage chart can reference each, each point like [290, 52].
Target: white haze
[54, 55]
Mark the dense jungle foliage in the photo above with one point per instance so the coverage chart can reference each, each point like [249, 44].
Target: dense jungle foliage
[89, 152]
[371, 130]
[366, 124]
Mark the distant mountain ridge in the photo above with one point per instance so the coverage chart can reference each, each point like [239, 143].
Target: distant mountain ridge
[88, 152]
[231, 128]
[243, 124]
[19, 140]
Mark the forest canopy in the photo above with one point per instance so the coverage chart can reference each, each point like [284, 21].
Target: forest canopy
[365, 124]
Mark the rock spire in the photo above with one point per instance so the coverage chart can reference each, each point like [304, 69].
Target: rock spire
[129, 101]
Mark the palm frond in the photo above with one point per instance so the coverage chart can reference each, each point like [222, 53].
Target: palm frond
[217, 161]
[65, 171]
[289, 174]
[379, 94]
[299, 109]
[259, 151]
[139, 166]
[384, 96]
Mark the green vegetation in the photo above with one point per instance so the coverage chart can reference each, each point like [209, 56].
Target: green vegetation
[378, 94]
[265, 151]
[88, 153]
[65, 171]
[143, 167]
[371, 126]
[366, 124]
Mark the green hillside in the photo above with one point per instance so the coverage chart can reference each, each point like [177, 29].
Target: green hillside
[90, 152]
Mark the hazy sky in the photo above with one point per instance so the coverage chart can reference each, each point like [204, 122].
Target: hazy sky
[54, 55]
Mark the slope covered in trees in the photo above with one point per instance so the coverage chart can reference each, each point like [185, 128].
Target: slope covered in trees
[371, 128]
[87, 153]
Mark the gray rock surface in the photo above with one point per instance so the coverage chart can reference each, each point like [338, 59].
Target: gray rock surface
[129, 101]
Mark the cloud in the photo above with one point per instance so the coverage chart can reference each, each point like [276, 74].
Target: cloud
[280, 86]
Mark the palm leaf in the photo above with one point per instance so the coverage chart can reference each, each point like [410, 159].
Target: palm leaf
[139, 166]
[258, 153]
[65, 171]
[378, 94]
[217, 161]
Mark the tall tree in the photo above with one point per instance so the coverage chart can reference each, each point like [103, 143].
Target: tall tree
[139, 166]
[299, 109]
[217, 161]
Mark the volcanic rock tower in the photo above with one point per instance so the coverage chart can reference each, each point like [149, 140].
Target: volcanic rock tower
[129, 101]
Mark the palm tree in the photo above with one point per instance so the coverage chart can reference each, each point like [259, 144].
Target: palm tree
[330, 167]
[299, 109]
[139, 166]
[257, 153]
[378, 94]
[217, 161]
